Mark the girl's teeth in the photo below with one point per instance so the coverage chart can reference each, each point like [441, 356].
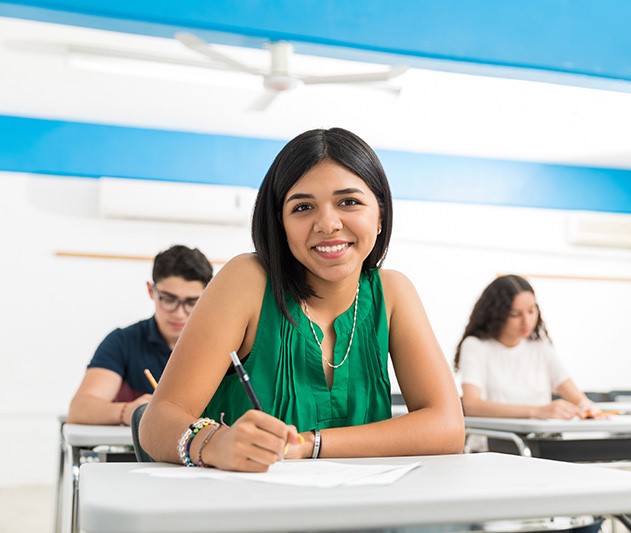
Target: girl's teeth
[329, 249]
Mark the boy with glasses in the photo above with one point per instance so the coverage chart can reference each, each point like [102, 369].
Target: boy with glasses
[115, 382]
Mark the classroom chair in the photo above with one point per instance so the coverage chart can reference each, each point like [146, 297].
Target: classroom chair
[619, 396]
[141, 455]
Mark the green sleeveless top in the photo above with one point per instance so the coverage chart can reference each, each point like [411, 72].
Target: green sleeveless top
[285, 367]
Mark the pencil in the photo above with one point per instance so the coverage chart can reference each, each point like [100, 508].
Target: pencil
[597, 413]
[151, 379]
[245, 381]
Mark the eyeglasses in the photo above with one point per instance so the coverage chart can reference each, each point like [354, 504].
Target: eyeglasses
[171, 303]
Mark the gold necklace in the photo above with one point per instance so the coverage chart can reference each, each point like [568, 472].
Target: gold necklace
[350, 342]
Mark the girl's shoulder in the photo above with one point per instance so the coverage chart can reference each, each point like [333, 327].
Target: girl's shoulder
[394, 282]
[244, 265]
[473, 342]
[399, 293]
[242, 275]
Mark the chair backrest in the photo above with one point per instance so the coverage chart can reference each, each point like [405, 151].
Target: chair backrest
[620, 396]
[597, 396]
[141, 455]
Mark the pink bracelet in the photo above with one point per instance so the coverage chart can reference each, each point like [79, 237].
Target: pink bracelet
[221, 423]
[200, 461]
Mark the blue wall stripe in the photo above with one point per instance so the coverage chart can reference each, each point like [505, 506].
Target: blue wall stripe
[510, 183]
[568, 36]
[93, 150]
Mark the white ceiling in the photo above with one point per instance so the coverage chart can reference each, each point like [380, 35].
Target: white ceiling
[436, 112]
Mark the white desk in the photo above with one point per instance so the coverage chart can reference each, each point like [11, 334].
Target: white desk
[572, 440]
[616, 424]
[76, 439]
[623, 407]
[449, 489]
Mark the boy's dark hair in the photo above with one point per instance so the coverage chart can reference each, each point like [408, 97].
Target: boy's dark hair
[299, 156]
[184, 262]
[491, 311]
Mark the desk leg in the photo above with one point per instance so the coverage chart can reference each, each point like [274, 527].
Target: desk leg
[522, 446]
[60, 482]
[76, 463]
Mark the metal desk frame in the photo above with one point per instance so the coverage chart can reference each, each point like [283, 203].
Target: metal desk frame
[78, 441]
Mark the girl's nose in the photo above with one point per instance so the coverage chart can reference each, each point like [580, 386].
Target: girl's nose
[327, 221]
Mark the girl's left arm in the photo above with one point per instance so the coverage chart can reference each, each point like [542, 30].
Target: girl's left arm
[435, 423]
[570, 392]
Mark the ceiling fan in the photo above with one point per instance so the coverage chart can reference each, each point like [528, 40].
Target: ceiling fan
[279, 78]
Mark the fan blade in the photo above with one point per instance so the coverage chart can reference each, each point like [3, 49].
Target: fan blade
[361, 77]
[38, 47]
[263, 101]
[198, 45]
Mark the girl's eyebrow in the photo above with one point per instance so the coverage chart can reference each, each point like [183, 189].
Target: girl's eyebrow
[339, 192]
[350, 190]
[299, 196]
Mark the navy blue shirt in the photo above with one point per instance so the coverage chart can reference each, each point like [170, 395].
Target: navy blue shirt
[128, 351]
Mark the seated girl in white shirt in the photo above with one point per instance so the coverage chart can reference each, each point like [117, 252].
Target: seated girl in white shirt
[506, 359]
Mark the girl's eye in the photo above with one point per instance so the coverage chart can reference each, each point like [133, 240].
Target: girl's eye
[349, 202]
[300, 208]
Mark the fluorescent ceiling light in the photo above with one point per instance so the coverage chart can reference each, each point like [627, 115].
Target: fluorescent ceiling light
[162, 68]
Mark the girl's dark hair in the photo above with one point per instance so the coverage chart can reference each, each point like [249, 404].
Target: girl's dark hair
[491, 311]
[299, 156]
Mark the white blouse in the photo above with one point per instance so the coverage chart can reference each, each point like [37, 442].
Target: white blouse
[524, 374]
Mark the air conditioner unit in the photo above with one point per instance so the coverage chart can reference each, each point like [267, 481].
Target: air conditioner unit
[175, 202]
[595, 229]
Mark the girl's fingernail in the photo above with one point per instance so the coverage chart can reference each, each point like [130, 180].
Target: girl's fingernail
[301, 438]
[286, 448]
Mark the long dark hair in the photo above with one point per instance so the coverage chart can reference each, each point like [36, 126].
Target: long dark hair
[491, 311]
[299, 156]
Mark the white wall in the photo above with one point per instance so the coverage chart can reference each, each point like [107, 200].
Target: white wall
[451, 252]
[58, 309]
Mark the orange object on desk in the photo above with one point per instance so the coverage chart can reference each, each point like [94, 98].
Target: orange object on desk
[589, 414]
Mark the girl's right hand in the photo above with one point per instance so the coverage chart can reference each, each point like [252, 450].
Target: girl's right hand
[561, 409]
[254, 442]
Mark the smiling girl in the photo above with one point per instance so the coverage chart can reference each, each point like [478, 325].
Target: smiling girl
[313, 318]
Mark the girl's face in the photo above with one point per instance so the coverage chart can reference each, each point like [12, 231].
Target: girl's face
[522, 319]
[332, 219]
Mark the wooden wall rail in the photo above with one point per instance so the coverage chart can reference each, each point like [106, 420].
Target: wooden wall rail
[572, 277]
[124, 257]
[118, 257]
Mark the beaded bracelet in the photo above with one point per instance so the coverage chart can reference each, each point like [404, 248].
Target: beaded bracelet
[184, 445]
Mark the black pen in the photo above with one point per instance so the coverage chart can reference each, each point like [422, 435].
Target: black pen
[245, 380]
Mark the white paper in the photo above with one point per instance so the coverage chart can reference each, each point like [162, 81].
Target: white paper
[298, 473]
